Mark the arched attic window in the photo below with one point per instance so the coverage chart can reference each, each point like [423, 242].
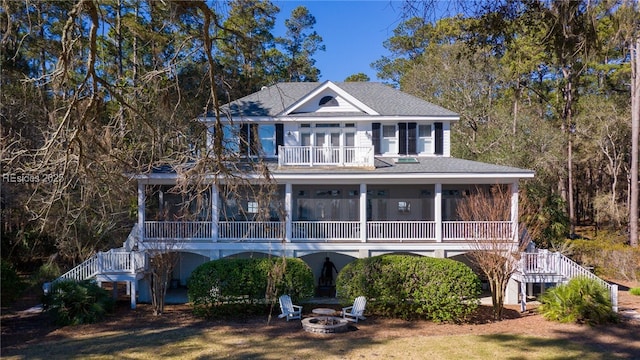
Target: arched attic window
[328, 101]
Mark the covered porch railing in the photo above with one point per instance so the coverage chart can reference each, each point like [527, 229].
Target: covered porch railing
[401, 230]
[256, 231]
[477, 230]
[178, 230]
[325, 155]
[388, 231]
[325, 230]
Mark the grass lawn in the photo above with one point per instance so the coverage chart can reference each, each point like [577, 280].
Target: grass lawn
[177, 334]
[199, 343]
[180, 336]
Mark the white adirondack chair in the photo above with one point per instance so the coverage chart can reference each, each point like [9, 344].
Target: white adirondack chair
[356, 311]
[289, 310]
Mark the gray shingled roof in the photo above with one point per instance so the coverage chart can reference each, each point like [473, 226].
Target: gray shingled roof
[382, 98]
[425, 165]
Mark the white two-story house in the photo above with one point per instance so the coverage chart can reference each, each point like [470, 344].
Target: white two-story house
[361, 169]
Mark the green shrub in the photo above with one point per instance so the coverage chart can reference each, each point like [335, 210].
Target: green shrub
[582, 300]
[73, 303]
[11, 286]
[635, 291]
[47, 272]
[411, 287]
[610, 256]
[232, 287]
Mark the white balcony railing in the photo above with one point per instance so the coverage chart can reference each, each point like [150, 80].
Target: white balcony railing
[477, 230]
[359, 156]
[325, 230]
[234, 230]
[158, 230]
[401, 230]
[388, 231]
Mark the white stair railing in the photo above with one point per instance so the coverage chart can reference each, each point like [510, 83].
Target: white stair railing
[132, 239]
[113, 261]
[545, 262]
[86, 270]
[570, 269]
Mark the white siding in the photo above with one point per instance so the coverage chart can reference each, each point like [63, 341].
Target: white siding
[294, 138]
[313, 105]
[362, 128]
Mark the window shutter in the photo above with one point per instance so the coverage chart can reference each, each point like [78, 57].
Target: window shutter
[439, 138]
[279, 136]
[412, 138]
[402, 141]
[375, 137]
[244, 139]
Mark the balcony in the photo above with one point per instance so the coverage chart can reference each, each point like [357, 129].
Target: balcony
[328, 231]
[349, 156]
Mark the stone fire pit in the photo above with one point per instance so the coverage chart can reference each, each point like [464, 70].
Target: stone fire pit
[325, 324]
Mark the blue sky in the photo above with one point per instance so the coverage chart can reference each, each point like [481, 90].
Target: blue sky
[352, 32]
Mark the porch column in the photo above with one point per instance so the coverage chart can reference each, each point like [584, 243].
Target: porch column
[437, 213]
[215, 195]
[114, 290]
[288, 212]
[523, 296]
[363, 212]
[133, 284]
[141, 207]
[514, 212]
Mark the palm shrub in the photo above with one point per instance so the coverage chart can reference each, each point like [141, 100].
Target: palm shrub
[74, 303]
[229, 287]
[409, 287]
[581, 300]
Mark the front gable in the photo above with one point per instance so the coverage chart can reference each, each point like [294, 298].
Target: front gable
[328, 98]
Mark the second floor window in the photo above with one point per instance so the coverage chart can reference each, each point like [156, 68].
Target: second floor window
[425, 139]
[403, 138]
[250, 139]
[327, 134]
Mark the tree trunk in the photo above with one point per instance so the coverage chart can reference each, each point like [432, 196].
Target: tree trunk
[567, 120]
[158, 292]
[635, 125]
[498, 284]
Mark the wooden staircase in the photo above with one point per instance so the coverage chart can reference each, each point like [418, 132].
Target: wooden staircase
[116, 265]
[543, 266]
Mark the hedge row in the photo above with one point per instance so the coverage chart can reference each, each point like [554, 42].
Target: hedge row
[232, 287]
[411, 287]
[609, 255]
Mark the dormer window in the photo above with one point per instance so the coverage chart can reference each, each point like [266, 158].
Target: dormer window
[328, 101]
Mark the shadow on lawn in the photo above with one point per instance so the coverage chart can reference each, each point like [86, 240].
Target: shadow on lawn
[581, 346]
[178, 334]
